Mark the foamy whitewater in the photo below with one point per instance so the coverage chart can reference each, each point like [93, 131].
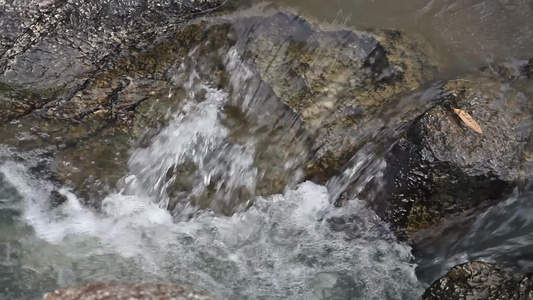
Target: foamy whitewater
[295, 245]
[281, 248]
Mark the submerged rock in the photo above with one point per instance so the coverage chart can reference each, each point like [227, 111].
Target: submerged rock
[117, 291]
[480, 280]
[442, 168]
[338, 82]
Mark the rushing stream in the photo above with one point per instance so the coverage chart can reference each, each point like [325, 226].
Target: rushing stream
[290, 245]
[167, 219]
[294, 245]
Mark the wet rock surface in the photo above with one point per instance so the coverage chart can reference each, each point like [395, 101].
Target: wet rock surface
[480, 280]
[95, 120]
[442, 168]
[116, 291]
[50, 50]
[338, 82]
[331, 84]
[67, 82]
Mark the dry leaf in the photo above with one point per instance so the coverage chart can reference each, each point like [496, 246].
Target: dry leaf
[468, 120]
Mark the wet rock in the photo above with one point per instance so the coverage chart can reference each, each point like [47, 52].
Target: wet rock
[140, 76]
[72, 75]
[442, 168]
[63, 45]
[480, 280]
[94, 165]
[338, 82]
[16, 103]
[152, 291]
[92, 131]
[309, 88]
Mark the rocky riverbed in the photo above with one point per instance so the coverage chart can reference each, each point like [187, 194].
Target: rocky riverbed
[199, 108]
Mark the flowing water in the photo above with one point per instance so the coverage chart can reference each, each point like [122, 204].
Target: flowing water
[295, 244]
[465, 33]
[291, 243]
[503, 234]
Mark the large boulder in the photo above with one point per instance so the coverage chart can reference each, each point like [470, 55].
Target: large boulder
[339, 82]
[480, 280]
[117, 291]
[442, 168]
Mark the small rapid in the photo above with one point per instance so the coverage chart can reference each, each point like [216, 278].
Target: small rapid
[195, 136]
[295, 245]
[501, 233]
[145, 148]
[167, 218]
[289, 246]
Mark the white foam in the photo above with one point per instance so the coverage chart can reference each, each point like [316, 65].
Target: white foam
[195, 135]
[282, 248]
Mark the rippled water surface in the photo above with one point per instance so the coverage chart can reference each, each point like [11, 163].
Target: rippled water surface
[465, 33]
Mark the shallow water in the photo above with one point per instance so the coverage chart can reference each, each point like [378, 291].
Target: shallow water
[465, 33]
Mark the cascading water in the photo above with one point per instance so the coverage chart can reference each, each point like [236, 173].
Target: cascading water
[163, 222]
[214, 197]
[196, 136]
[208, 158]
[501, 234]
[285, 246]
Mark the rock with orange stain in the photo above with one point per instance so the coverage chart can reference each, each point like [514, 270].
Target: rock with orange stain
[117, 291]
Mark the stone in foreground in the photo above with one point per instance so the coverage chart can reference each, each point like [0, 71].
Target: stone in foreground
[116, 291]
[479, 280]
